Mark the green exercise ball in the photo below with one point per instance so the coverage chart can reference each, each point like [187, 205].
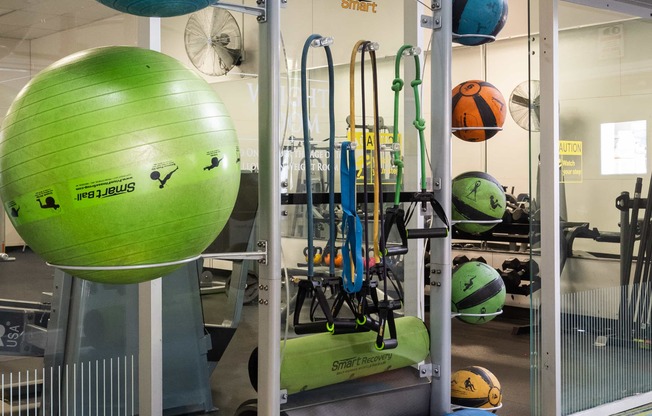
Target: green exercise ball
[118, 156]
[477, 289]
[477, 196]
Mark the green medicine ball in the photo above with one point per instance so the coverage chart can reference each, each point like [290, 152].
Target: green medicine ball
[477, 289]
[118, 156]
[477, 196]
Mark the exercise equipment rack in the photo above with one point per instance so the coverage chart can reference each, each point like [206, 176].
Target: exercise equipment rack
[436, 392]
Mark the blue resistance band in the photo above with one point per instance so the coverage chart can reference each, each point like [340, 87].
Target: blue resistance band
[352, 266]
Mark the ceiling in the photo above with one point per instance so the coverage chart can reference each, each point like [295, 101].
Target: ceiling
[640, 8]
[31, 19]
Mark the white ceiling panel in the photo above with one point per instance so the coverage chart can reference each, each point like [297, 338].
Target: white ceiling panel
[31, 19]
[640, 8]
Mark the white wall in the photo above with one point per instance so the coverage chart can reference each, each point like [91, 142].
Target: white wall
[118, 30]
[14, 74]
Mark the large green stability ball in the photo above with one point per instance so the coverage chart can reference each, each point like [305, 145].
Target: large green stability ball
[118, 156]
[477, 196]
[477, 289]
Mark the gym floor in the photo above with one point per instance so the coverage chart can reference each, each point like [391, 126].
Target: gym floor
[491, 345]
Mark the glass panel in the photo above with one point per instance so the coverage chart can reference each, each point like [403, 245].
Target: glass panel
[604, 92]
[33, 36]
[535, 228]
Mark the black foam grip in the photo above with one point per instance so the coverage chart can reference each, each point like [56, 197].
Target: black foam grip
[415, 233]
[311, 328]
[396, 251]
[389, 344]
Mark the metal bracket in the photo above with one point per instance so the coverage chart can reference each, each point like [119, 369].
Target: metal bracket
[321, 42]
[436, 371]
[284, 396]
[437, 184]
[430, 22]
[371, 46]
[5, 257]
[262, 250]
[260, 12]
[260, 255]
[425, 370]
[415, 50]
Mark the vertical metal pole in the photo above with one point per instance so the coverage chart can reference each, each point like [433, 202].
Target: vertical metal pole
[2, 232]
[440, 251]
[150, 332]
[550, 354]
[269, 194]
[413, 264]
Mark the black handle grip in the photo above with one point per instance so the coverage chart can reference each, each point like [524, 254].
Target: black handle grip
[348, 327]
[395, 250]
[415, 233]
[387, 344]
[311, 328]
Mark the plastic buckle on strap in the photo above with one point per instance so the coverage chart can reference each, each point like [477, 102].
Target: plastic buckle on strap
[386, 317]
[308, 288]
[395, 216]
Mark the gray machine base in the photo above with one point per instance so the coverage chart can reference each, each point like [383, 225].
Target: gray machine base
[397, 392]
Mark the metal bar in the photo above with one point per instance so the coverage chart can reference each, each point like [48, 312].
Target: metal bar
[269, 195]
[322, 197]
[440, 253]
[550, 354]
[413, 264]
[150, 294]
[240, 8]
[22, 304]
[625, 245]
[244, 255]
[56, 337]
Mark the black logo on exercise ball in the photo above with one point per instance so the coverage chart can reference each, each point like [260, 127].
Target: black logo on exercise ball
[49, 203]
[494, 203]
[483, 311]
[473, 194]
[14, 211]
[468, 285]
[156, 176]
[468, 384]
[215, 162]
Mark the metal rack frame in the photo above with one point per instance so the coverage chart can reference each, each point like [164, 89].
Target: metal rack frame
[269, 392]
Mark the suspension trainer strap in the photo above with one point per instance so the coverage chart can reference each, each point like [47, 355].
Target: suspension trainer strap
[311, 288]
[396, 216]
[351, 226]
[385, 306]
[379, 242]
[332, 228]
[352, 126]
[307, 150]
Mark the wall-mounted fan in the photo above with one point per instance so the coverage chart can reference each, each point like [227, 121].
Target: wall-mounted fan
[213, 41]
[524, 105]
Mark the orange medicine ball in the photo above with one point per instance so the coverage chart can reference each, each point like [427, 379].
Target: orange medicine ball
[477, 104]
